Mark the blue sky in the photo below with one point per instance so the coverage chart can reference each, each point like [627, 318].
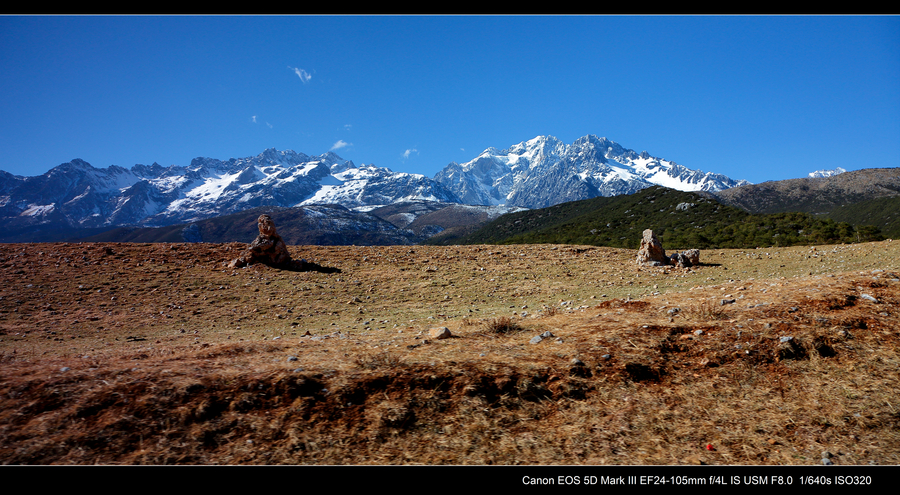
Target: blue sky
[756, 98]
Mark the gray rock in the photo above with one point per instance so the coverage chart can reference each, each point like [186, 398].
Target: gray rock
[685, 259]
[679, 260]
[536, 339]
[693, 255]
[651, 250]
[867, 297]
[439, 333]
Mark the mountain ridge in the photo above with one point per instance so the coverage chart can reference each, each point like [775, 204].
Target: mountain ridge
[544, 171]
[75, 196]
[816, 195]
[681, 219]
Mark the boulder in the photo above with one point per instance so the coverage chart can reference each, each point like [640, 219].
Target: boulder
[268, 247]
[693, 255]
[686, 259]
[680, 260]
[651, 251]
[439, 333]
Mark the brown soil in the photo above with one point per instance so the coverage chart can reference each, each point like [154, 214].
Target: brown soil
[159, 354]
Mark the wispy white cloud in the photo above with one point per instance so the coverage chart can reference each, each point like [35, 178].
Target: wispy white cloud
[348, 126]
[302, 74]
[340, 144]
[253, 119]
[406, 154]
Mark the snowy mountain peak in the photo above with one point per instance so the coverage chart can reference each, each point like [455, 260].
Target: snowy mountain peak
[538, 142]
[826, 173]
[544, 171]
[287, 158]
[541, 171]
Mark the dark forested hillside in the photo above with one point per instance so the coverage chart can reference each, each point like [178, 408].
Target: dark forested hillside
[680, 219]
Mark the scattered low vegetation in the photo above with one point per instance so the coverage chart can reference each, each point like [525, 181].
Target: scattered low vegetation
[707, 310]
[868, 197]
[502, 325]
[158, 354]
[378, 360]
[883, 213]
[680, 220]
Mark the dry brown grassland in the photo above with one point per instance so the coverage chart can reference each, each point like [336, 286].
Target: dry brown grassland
[159, 354]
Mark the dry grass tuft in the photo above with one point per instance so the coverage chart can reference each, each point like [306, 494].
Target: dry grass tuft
[381, 360]
[503, 325]
[837, 301]
[706, 311]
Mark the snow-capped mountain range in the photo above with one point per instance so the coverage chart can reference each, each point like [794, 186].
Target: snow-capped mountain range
[544, 171]
[536, 173]
[84, 196]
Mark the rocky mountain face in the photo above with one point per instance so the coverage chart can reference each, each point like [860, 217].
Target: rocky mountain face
[77, 198]
[544, 171]
[442, 223]
[818, 195]
[403, 223]
[320, 225]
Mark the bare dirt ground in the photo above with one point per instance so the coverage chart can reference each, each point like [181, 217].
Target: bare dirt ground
[158, 354]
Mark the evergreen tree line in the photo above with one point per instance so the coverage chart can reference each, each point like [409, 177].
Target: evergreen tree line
[681, 220]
